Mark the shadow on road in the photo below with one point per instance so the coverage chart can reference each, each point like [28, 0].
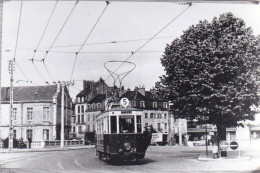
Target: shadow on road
[130, 163]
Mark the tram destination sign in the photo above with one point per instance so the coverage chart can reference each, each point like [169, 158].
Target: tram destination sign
[126, 112]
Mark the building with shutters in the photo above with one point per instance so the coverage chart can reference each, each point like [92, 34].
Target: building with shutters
[36, 112]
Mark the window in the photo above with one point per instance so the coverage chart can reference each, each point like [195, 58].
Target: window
[94, 128]
[79, 99]
[80, 129]
[98, 106]
[113, 124]
[126, 124]
[165, 127]
[89, 107]
[45, 134]
[151, 115]
[88, 117]
[74, 129]
[154, 104]
[78, 118]
[146, 125]
[74, 120]
[29, 134]
[78, 109]
[88, 128]
[159, 115]
[82, 108]
[29, 114]
[159, 126]
[142, 104]
[139, 124]
[165, 116]
[14, 134]
[93, 117]
[82, 118]
[146, 115]
[14, 114]
[165, 105]
[46, 114]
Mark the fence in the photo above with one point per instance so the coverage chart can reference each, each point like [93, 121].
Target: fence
[56, 143]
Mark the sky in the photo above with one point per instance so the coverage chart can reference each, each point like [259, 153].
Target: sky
[127, 24]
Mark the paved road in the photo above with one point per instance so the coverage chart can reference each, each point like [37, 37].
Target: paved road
[158, 159]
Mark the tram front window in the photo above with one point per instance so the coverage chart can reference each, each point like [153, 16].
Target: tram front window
[126, 124]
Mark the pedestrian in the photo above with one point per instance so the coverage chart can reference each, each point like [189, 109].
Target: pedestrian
[29, 141]
[214, 142]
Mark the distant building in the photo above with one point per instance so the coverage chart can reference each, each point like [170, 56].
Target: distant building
[36, 112]
[94, 98]
[89, 103]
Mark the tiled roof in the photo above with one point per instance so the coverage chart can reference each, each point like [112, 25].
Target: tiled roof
[29, 93]
[84, 93]
[135, 95]
[98, 99]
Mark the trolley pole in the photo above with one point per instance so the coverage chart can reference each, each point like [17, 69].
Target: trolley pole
[63, 84]
[11, 70]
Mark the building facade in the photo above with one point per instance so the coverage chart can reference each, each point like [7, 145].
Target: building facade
[36, 112]
[95, 98]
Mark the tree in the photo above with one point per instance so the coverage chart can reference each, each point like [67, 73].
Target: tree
[212, 71]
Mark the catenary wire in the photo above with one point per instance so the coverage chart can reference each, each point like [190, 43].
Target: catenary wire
[18, 31]
[45, 29]
[76, 57]
[111, 42]
[150, 39]
[22, 71]
[60, 30]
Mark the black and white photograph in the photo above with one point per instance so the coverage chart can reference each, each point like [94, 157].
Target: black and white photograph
[129, 86]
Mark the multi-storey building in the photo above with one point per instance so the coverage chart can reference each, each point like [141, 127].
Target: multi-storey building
[94, 99]
[36, 112]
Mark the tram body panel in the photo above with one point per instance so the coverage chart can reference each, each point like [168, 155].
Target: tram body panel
[120, 135]
[123, 146]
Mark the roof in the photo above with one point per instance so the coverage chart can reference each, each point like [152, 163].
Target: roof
[29, 93]
[84, 92]
[133, 95]
[98, 99]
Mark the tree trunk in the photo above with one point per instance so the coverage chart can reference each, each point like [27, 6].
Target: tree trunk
[221, 129]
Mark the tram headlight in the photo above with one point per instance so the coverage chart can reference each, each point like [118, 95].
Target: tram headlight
[127, 146]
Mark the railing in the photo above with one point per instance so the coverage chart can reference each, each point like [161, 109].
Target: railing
[55, 143]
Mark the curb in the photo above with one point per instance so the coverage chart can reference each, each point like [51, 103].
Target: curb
[203, 157]
[45, 149]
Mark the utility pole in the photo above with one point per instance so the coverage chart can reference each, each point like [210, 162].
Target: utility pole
[11, 70]
[63, 84]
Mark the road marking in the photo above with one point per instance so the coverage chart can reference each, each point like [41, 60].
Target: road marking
[60, 165]
[77, 163]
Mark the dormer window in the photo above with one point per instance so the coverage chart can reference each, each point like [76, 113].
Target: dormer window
[78, 99]
[165, 105]
[154, 104]
[142, 104]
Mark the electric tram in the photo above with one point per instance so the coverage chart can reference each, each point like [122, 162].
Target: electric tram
[120, 134]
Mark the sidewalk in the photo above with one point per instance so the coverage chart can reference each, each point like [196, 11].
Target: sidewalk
[16, 150]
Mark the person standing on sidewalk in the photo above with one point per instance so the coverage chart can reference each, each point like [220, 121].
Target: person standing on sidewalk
[214, 142]
[29, 141]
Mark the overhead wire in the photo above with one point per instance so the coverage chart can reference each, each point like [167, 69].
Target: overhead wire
[45, 29]
[35, 50]
[55, 39]
[72, 52]
[18, 31]
[111, 42]
[73, 68]
[132, 53]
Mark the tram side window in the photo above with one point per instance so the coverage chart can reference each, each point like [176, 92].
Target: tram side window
[113, 124]
[126, 124]
[139, 124]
